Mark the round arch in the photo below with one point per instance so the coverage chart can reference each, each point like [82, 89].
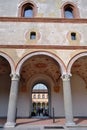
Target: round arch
[69, 66]
[10, 61]
[77, 67]
[53, 56]
[44, 79]
[40, 78]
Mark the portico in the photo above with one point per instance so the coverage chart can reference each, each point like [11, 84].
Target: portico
[49, 66]
[62, 92]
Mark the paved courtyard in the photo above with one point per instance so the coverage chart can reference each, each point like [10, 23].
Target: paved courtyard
[39, 124]
[58, 121]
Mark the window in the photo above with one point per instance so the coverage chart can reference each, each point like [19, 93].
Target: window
[34, 96]
[38, 96]
[27, 9]
[43, 96]
[33, 35]
[68, 11]
[73, 36]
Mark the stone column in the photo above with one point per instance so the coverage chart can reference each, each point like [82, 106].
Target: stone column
[12, 101]
[67, 100]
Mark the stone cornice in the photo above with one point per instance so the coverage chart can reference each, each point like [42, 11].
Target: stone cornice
[43, 20]
[42, 47]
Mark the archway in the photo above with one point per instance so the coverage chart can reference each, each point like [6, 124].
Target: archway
[39, 100]
[78, 68]
[5, 83]
[45, 68]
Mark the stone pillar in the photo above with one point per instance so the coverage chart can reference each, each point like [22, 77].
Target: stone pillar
[12, 106]
[67, 100]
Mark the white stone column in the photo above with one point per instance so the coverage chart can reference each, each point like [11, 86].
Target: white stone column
[67, 100]
[12, 101]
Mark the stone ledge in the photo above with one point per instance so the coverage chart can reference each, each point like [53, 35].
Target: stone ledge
[44, 20]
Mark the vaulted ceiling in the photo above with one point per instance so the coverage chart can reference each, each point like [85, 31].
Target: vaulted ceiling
[80, 68]
[40, 64]
[4, 66]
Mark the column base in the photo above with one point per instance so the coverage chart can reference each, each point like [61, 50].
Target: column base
[9, 125]
[70, 124]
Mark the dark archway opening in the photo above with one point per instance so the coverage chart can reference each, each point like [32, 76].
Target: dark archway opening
[79, 87]
[5, 83]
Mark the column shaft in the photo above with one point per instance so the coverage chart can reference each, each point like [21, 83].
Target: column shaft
[67, 100]
[12, 102]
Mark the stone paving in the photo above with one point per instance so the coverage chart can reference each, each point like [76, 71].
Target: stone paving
[46, 124]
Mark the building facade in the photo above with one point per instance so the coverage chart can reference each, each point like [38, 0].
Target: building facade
[43, 41]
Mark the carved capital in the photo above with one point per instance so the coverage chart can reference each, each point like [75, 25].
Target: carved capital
[66, 77]
[14, 76]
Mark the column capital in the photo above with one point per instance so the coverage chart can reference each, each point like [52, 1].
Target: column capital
[66, 77]
[14, 76]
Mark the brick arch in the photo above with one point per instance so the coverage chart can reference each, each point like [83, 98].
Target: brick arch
[10, 61]
[53, 56]
[22, 4]
[74, 7]
[71, 62]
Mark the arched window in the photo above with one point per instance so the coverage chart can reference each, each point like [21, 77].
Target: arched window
[27, 10]
[70, 11]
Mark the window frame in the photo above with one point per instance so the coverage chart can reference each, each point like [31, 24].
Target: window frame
[74, 8]
[24, 5]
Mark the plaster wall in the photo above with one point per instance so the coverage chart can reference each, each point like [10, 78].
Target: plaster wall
[8, 8]
[79, 96]
[23, 105]
[57, 102]
[18, 33]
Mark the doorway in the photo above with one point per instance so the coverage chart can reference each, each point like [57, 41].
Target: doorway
[40, 101]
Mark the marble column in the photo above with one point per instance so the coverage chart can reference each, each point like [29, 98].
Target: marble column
[67, 100]
[12, 101]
